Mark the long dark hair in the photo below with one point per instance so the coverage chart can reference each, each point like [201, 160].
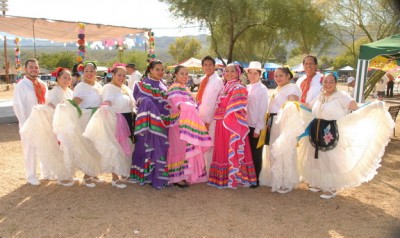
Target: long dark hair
[176, 70]
[286, 70]
[151, 65]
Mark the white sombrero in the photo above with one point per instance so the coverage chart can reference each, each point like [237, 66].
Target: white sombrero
[255, 65]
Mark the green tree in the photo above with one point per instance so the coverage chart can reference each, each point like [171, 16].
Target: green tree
[184, 48]
[250, 29]
[351, 22]
[53, 60]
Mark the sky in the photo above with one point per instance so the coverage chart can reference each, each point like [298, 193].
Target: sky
[131, 13]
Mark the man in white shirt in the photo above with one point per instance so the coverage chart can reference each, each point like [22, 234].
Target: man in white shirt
[311, 83]
[381, 87]
[28, 92]
[133, 75]
[210, 87]
[257, 105]
[351, 82]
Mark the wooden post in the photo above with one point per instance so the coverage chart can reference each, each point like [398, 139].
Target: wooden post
[6, 64]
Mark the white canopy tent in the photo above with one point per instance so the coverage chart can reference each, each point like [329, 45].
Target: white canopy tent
[347, 68]
[298, 68]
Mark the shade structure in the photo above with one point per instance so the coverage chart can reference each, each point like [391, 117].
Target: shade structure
[346, 68]
[191, 64]
[62, 31]
[389, 47]
[243, 64]
[271, 66]
[298, 68]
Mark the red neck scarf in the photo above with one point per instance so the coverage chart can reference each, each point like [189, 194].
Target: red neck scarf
[202, 87]
[40, 90]
[305, 86]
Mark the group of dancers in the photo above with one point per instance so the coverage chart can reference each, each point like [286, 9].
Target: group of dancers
[228, 134]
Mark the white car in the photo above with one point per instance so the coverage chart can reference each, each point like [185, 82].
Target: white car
[48, 80]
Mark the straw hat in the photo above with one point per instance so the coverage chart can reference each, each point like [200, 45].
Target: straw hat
[255, 65]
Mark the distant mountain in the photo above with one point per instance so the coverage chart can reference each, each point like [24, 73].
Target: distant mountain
[135, 43]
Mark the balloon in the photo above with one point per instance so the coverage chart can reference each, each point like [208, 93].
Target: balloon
[79, 58]
[81, 47]
[81, 25]
[81, 36]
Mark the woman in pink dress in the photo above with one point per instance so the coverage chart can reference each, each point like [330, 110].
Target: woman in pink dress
[232, 163]
[187, 136]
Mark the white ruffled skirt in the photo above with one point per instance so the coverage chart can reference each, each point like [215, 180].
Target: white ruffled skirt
[38, 129]
[280, 165]
[79, 152]
[363, 136]
[101, 131]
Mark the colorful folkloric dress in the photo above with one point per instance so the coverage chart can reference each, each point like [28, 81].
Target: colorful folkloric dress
[149, 163]
[188, 138]
[69, 123]
[39, 127]
[281, 171]
[232, 163]
[349, 146]
[110, 132]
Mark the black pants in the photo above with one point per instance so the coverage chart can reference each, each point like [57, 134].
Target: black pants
[130, 119]
[257, 153]
[389, 89]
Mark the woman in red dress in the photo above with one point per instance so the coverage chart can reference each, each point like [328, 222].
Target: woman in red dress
[232, 163]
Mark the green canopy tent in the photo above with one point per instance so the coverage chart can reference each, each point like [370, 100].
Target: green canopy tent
[389, 47]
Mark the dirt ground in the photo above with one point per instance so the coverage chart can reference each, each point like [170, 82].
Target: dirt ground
[51, 210]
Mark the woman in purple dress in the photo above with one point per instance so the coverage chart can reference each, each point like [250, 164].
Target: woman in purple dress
[149, 164]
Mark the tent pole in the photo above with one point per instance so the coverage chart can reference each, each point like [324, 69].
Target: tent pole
[6, 64]
[34, 39]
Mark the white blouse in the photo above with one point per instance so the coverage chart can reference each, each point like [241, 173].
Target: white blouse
[121, 98]
[90, 95]
[257, 105]
[332, 107]
[280, 96]
[58, 95]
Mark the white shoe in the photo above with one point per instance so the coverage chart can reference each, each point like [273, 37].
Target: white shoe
[314, 189]
[284, 190]
[88, 183]
[328, 196]
[67, 184]
[118, 185]
[34, 182]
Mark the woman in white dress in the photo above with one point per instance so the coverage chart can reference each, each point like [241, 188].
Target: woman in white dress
[61, 91]
[70, 121]
[59, 94]
[284, 125]
[110, 128]
[343, 149]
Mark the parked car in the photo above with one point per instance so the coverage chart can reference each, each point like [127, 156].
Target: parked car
[49, 80]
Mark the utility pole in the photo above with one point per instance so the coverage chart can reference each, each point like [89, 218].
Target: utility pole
[3, 7]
